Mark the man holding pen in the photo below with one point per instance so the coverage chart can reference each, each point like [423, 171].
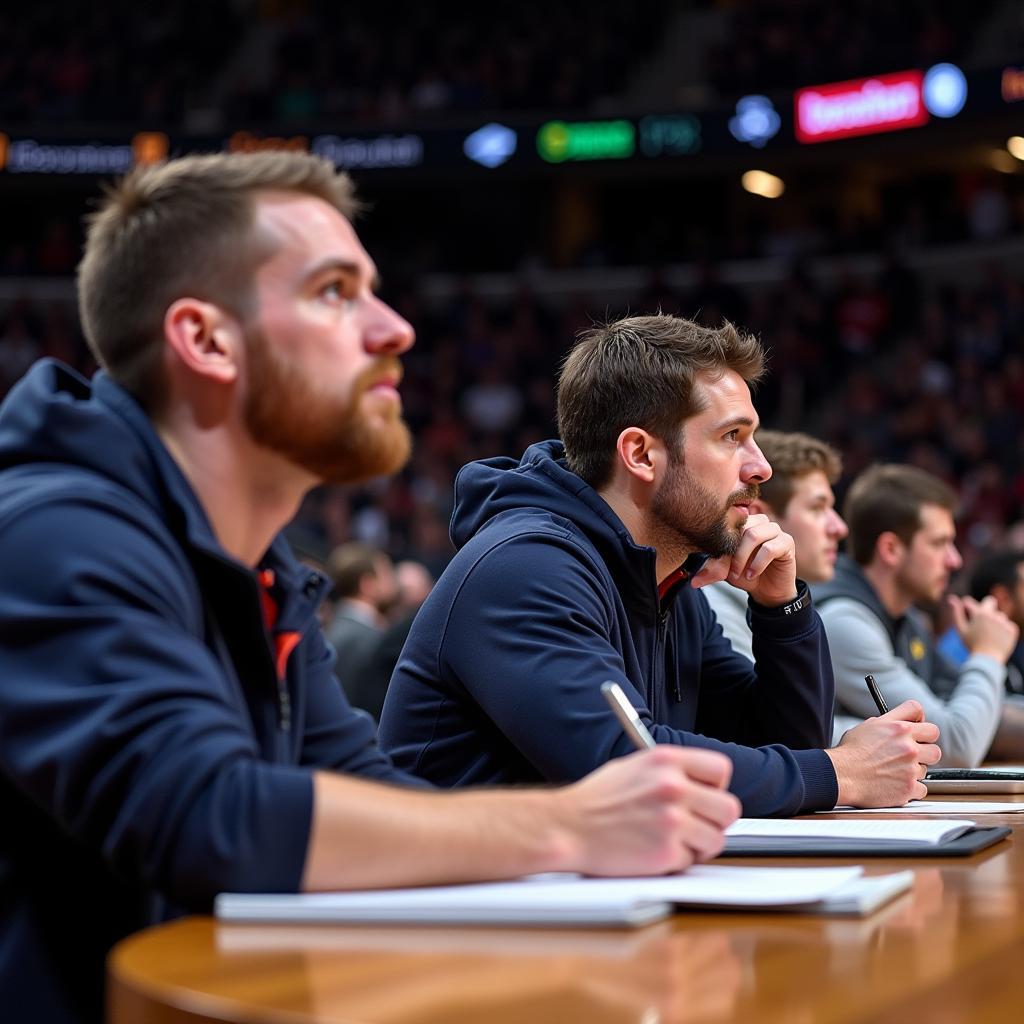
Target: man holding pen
[170, 724]
[583, 562]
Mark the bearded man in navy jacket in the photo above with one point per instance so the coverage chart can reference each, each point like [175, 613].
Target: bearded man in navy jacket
[584, 562]
[170, 723]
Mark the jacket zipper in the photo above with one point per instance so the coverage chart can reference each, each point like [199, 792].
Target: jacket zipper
[677, 693]
[284, 706]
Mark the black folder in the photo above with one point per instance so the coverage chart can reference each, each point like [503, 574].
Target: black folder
[962, 846]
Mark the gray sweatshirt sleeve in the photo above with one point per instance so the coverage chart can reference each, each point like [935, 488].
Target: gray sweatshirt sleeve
[730, 607]
[967, 721]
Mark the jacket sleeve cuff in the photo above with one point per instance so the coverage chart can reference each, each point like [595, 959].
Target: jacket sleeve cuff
[821, 787]
[797, 616]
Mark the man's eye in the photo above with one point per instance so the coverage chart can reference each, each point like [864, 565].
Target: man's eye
[733, 435]
[332, 290]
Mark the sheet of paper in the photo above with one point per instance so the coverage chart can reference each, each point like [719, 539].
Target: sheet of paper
[499, 904]
[938, 807]
[926, 831]
[711, 884]
[863, 895]
[549, 898]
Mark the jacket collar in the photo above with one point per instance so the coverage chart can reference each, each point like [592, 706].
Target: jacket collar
[299, 589]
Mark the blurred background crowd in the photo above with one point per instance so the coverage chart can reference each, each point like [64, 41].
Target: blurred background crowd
[886, 282]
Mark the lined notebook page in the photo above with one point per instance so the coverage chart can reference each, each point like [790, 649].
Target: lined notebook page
[937, 807]
[929, 832]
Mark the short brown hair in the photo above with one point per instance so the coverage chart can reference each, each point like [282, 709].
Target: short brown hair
[792, 456]
[176, 229]
[348, 563]
[889, 498]
[640, 372]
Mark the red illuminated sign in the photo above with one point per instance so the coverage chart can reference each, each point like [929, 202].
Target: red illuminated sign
[864, 106]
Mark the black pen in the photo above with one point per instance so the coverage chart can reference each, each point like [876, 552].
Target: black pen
[627, 716]
[877, 695]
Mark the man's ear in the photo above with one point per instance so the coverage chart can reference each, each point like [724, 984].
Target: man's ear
[641, 455]
[205, 339]
[889, 549]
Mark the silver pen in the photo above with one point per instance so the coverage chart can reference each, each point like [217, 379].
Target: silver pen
[627, 716]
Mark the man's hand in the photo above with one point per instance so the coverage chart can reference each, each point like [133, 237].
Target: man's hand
[764, 563]
[983, 628]
[880, 763]
[650, 813]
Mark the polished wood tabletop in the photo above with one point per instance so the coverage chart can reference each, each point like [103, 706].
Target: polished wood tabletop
[951, 950]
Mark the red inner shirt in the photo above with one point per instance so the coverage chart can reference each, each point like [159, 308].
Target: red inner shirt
[284, 642]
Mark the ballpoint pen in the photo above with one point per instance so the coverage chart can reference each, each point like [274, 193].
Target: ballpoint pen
[877, 695]
[627, 716]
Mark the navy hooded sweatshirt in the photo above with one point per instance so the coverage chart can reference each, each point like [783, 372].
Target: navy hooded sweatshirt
[151, 754]
[547, 597]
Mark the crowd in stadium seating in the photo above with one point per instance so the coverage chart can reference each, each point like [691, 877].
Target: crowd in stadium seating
[376, 63]
[782, 44]
[887, 368]
[67, 63]
[64, 62]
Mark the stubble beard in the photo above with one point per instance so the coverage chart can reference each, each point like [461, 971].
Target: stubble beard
[329, 435]
[686, 515]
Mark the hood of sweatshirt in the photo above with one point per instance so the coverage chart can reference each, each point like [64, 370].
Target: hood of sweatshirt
[500, 493]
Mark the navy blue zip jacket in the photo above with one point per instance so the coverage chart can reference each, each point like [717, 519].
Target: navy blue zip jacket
[150, 755]
[548, 596]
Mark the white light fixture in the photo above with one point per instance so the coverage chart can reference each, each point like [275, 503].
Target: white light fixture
[944, 90]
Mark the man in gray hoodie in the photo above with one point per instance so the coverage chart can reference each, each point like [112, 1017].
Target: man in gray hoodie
[902, 553]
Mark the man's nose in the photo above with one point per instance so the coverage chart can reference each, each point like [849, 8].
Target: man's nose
[755, 468]
[953, 559]
[385, 331]
[837, 525]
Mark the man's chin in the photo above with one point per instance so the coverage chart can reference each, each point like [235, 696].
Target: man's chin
[373, 453]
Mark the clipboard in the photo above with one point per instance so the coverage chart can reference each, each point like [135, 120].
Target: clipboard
[975, 840]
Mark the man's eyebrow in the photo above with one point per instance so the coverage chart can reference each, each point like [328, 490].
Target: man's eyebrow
[349, 267]
[736, 421]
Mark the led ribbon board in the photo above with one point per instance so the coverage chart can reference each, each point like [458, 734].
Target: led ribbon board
[863, 106]
[559, 141]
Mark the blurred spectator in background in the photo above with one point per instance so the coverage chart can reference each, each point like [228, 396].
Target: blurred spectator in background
[903, 553]
[798, 496]
[999, 575]
[365, 591]
[774, 44]
[19, 349]
[414, 585]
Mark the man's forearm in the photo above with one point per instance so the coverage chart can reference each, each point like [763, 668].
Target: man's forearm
[366, 835]
[648, 813]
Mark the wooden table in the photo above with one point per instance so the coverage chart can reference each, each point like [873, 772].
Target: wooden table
[950, 951]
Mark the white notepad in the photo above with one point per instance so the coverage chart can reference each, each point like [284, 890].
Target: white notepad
[571, 900]
[938, 807]
[752, 832]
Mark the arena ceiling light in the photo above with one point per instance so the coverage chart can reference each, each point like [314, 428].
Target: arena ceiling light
[491, 145]
[1000, 160]
[761, 183]
[756, 121]
[944, 90]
